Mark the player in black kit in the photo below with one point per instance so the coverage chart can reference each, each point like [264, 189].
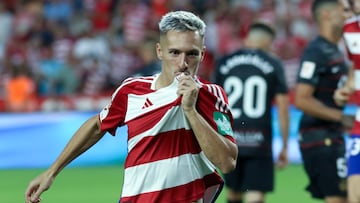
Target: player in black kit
[322, 70]
[252, 78]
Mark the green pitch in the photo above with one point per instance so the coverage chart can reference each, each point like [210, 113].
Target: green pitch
[103, 185]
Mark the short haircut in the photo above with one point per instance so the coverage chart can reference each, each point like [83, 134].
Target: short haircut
[181, 21]
[318, 4]
[263, 27]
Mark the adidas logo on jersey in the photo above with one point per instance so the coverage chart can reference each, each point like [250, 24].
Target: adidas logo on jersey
[147, 103]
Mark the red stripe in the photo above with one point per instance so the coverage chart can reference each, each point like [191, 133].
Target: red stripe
[162, 146]
[147, 120]
[320, 143]
[186, 193]
[147, 104]
[356, 128]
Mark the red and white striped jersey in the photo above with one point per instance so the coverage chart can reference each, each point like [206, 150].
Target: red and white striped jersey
[165, 162]
[352, 42]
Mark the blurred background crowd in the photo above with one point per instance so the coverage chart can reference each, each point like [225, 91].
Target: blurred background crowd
[71, 54]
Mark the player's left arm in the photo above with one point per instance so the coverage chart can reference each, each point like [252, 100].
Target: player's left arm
[282, 103]
[219, 150]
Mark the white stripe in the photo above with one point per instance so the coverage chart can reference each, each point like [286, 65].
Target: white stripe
[159, 99]
[209, 89]
[164, 174]
[215, 92]
[352, 42]
[172, 120]
[126, 82]
[357, 117]
[222, 104]
[357, 79]
[136, 80]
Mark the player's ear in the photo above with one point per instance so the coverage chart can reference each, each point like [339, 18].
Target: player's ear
[203, 53]
[159, 51]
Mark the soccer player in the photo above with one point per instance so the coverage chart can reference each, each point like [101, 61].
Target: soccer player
[179, 128]
[253, 78]
[351, 37]
[322, 70]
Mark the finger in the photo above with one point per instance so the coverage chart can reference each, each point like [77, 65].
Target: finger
[35, 198]
[29, 191]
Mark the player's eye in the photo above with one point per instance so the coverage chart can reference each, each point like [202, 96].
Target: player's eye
[193, 53]
[174, 52]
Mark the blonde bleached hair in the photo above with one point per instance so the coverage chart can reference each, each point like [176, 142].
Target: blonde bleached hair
[181, 21]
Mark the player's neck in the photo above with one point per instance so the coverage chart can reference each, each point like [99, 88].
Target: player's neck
[330, 35]
[163, 81]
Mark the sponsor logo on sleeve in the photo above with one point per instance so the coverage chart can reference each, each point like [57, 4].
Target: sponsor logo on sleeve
[223, 124]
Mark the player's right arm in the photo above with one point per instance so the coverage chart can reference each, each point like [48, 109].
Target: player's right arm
[308, 76]
[305, 101]
[342, 94]
[85, 137]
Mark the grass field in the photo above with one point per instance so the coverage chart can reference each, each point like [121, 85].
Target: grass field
[103, 185]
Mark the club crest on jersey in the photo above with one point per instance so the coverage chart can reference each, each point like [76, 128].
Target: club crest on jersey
[223, 123]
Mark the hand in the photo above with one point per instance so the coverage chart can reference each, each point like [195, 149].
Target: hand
[347, 121]
[189, 91]
[37, 187]
[282, 159]
[342, 95]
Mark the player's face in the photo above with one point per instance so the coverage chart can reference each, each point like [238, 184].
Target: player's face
[348, 12]
[356, 7]
[337, 17]
[180, 52]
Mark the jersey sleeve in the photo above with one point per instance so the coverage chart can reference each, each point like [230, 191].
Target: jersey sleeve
[213, 106]
[309, 66]
[113, 115]
[281, 87]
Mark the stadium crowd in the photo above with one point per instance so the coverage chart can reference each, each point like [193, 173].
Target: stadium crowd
[71, 54]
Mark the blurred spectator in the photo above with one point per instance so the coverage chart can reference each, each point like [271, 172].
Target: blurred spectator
[116, 33]
[124, 62]
[94, 76]
[69, 76]
[135, 21]
[101, 15]
[20, 90]
[5, 21]
[159, 8]
[63, 42]
[43, 30]
[58, 10]
[90, 44]
[151, 64]
[48, 75]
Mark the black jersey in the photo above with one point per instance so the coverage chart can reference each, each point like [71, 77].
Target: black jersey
[322, 66]
[251, 79]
